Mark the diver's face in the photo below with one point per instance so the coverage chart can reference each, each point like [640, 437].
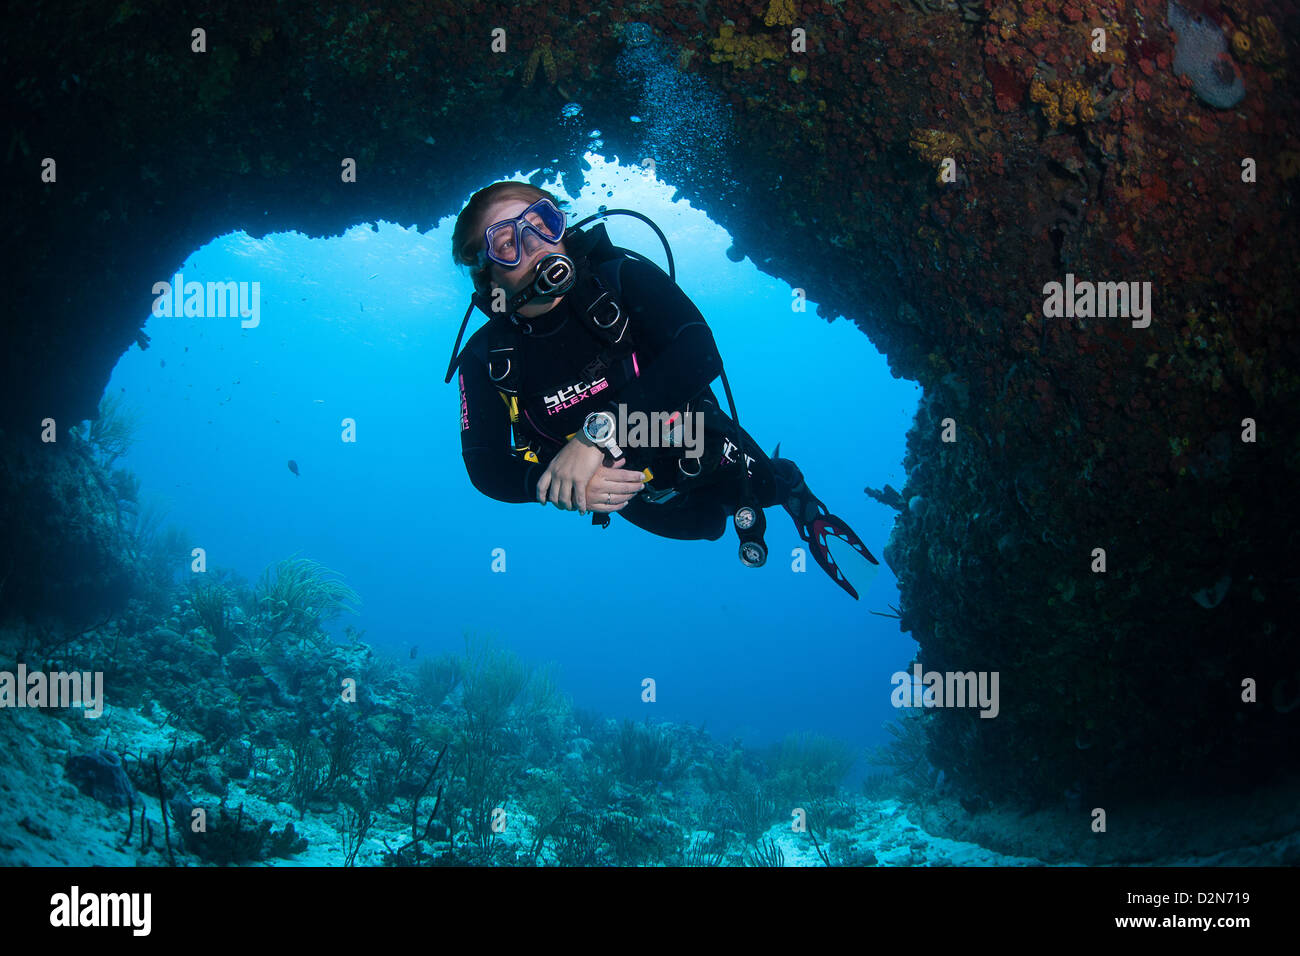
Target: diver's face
[514, 279]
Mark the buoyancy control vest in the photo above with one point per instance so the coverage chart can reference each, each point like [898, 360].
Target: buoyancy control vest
[543, 420]
[596, 301]
[596, 297]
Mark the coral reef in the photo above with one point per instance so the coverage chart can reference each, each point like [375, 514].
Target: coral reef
[780, 13]
[933, 145]
[497, 771]
[1067, 102]
[1074, 433]
[232, 839]
[67, 549]
[1201, 54]
[745, 52]
[542, 54]
[1259, 42]
[99, 774]
[298, 595]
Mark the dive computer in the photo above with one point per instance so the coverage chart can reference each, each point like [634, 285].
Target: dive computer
[600, 429]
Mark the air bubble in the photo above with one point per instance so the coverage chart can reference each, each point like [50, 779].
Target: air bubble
[570, 110]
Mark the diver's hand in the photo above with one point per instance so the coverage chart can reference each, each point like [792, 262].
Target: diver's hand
[611, 488]
[564, 482]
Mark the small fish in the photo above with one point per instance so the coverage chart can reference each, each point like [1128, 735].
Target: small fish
[162, 363]
[293, 467]
[375, 276]
[415, 650]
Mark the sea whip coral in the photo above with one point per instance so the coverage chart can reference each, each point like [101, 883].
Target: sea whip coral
[1202, 55]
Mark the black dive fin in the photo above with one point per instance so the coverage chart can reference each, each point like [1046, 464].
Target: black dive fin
[814, 523]
[824, 525]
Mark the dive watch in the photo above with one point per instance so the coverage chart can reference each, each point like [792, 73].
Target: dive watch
[600, 428]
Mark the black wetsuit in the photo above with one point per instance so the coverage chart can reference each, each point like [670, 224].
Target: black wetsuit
[676, 359]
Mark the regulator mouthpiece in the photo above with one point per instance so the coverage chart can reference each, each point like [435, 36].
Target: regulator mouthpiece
[555, 275]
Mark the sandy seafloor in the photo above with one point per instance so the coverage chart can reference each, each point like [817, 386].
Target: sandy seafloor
[45, 820]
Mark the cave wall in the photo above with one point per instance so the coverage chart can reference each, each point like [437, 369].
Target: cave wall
[1069, 434]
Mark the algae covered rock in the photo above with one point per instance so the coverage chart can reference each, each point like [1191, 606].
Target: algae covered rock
[100, 774]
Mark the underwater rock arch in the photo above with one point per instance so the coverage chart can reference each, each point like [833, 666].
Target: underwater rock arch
[1101, 439]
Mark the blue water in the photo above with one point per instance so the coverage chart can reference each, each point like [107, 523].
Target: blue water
[360, 327]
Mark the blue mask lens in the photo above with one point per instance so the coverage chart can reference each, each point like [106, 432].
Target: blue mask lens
[508, 241]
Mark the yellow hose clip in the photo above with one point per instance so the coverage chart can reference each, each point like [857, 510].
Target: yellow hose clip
[512, 405]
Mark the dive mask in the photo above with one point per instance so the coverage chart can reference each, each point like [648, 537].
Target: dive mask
[508, 241]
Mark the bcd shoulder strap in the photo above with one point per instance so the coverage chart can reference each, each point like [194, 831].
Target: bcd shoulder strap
[497, 345]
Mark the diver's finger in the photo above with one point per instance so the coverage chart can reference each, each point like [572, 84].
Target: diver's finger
[625, 476]
[624, 492]
[543, 485]
[582, 496]
[622, 489]
[610, 497]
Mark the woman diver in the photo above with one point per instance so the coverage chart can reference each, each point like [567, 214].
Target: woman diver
[582, 336]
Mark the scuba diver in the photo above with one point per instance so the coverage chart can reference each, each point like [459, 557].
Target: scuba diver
[581, 334]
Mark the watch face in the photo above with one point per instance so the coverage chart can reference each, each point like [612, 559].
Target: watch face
[599, 429]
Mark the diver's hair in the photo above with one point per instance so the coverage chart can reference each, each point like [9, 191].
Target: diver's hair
[467, 237]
